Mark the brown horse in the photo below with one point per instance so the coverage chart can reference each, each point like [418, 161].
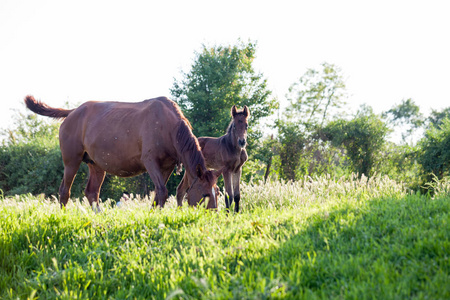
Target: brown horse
[225, 154]
[127, 139]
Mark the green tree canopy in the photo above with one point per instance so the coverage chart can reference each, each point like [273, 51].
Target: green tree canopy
[406, 115]
[220, 77]
[318, 95]
[435, 154]
[437, 116]
[363, 137]
[314, 100]
[292, 143]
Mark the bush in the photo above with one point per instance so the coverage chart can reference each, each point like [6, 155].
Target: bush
[434, 155]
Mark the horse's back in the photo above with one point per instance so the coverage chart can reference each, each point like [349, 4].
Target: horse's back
[114, 117]
[116, 134]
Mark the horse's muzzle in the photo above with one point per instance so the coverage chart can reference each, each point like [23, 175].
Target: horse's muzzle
[242, 143]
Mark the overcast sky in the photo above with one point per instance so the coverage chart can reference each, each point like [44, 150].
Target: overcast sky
[77, 51]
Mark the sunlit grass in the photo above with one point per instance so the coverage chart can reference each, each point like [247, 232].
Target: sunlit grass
[316, 238]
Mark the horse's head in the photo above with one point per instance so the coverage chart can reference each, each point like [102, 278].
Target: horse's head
[239, 125]
[204, 188]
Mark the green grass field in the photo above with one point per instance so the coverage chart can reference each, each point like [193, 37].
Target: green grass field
[316, 238]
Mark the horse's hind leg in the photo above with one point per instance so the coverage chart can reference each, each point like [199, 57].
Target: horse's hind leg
[72, 155]
[70, 170]
[92, 191]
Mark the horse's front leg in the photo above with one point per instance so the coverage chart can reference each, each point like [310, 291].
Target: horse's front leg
[236, 177]
[227, 180]
[159, 180]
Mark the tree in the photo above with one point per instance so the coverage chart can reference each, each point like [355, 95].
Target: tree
[292, 143]
[406, 115]
[220, 77]
[314, 100]
[435, 154]
[436, 117]
[363, 137]
[318, 95]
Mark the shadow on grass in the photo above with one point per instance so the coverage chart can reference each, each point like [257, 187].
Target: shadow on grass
[382, 248]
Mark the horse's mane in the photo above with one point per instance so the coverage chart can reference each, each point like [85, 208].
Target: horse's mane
[176, 109]
[186, 142]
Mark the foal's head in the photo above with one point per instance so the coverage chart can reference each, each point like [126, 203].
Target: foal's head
[239, 125]
[204, 188]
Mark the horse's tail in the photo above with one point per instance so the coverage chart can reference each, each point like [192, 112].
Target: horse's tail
[45, 110]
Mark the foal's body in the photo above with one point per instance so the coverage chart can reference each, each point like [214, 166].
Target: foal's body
[127, 139]
[226, 154]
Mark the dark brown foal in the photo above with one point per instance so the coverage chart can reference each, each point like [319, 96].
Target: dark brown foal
[226, 154]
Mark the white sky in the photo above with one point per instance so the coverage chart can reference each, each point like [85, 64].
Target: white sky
[77, 51]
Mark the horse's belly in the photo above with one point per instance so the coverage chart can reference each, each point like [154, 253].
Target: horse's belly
[124, 172]
[117, 165]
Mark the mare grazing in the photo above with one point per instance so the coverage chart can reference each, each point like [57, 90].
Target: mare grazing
[127, 139]
[227, 154]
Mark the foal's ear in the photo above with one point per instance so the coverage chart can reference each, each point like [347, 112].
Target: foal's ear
[199, 171]
[246, 111]
[233, 111]
[217, 173]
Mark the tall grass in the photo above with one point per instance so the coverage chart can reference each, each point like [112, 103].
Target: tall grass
[322, 237]
[318, 190]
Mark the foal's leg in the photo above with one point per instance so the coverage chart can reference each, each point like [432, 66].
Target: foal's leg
[236, 189]
[181, 190]
[92, 191]
[227, 180]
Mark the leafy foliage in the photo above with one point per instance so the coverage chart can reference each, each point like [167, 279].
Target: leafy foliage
[314, 100]
[407, 114]
[30, 158]
[292, 142]
[435, 154]
[436, 117]
[318, 95]
[220, 77]
[363, 137]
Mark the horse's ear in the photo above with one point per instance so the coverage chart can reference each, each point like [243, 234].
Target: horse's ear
[233, 111]
[246, 111]
[199, 171]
